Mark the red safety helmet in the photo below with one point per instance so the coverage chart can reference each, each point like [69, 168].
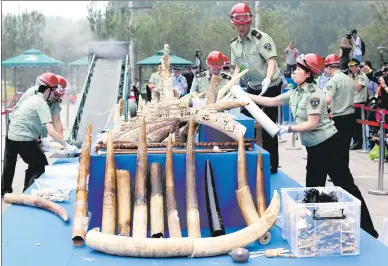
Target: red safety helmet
[226, 60]
[49, 79]
[332, 59]
[62, 81]
[313, 62]
[215, 60]
[240, 14]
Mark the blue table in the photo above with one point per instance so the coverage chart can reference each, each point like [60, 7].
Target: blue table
[24, 227]
[208, 134]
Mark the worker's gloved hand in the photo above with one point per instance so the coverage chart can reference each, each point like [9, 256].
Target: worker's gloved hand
[265, 86]
[71, 148]
[45, 143]
[283, 129]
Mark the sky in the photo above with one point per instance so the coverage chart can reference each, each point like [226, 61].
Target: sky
[68, 9]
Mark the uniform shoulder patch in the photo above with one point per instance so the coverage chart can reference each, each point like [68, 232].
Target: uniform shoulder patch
[200, 75]
[311, 88]
[314, 102]
[233, 39]
[267, 46]
[256, 34]
[226, 76]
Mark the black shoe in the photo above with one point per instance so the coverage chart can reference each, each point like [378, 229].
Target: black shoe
[274, 170]
[355, 147]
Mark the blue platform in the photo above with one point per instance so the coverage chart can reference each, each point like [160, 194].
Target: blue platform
[24, 227]
[208, 134]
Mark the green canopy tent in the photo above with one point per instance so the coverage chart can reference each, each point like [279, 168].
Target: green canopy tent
[82, 62]
[155, 59]
[31, 58]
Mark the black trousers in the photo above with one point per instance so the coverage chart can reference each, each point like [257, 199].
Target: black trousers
[357, 133]
[324, 159]
[270, 144]
[344, 125]
[31, 153]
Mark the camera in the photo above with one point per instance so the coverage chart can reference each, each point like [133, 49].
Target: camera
[348, 35]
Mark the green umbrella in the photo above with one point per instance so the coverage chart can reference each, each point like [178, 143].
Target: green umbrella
[31, 58]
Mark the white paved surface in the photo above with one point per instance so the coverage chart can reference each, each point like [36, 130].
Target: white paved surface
[292, 163]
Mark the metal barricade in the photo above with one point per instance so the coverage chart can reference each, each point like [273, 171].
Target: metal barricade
[380, 183]
[294, 137]
[364, 144]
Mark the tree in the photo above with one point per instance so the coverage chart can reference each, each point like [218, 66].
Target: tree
[110, 24]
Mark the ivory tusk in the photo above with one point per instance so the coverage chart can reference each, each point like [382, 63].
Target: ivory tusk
[35, 201]
[225, 105]
[140, 207]
[193, 222]
[260, 185]
[81, 205]
[123, 202]
[156, 204]
[261, 118]
[224, 90]
[108, 224]
[184, 247]
[174, 227]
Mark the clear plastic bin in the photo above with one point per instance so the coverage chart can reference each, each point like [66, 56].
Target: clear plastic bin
[321, 229]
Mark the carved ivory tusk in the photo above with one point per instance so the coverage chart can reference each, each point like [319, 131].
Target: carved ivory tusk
[225, 105]
[81, 205]
[140, 207]
[35, 201]
[108, 224]
[193, 222]
[224, 90]
[269, 126]
[174, 227]
[123, 188]
[184, 247]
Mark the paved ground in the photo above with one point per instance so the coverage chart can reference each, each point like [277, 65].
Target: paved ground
[292, 163]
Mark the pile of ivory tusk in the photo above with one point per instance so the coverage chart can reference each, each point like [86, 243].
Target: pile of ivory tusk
[117, 195]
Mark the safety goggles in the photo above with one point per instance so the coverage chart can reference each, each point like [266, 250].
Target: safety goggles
[59, 91]
[241, 17]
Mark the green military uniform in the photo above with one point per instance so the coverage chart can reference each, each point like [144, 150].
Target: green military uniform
[305, 101]
[361, 96]
[253, 52]
[341, 88]
[55, 107]
[201, 81]
[27, 120]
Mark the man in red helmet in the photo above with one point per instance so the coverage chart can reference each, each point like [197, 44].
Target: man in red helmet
[255, 50]
[340, 90]
[215, 63]
[24, 130]
[54, 102]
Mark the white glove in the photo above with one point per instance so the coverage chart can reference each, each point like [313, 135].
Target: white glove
[283, 129]
[265, 85]
[45, 143]
[71, 148]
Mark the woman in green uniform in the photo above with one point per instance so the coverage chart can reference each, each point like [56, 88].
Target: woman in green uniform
[317, 132]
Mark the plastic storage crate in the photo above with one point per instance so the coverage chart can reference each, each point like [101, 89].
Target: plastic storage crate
[321, 229]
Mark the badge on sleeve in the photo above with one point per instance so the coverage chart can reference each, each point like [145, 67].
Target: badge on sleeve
[315, 101]
[268, 47]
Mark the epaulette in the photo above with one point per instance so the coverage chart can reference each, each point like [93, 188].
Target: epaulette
[226, 76]
[201, 74]
[233, 39]
[311, 88]
[256, 34]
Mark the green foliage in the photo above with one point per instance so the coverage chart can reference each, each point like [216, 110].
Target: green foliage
[22, 31]
[110, 24]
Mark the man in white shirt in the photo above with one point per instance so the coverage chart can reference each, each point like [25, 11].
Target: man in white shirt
[356, 42]
[179, 82]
